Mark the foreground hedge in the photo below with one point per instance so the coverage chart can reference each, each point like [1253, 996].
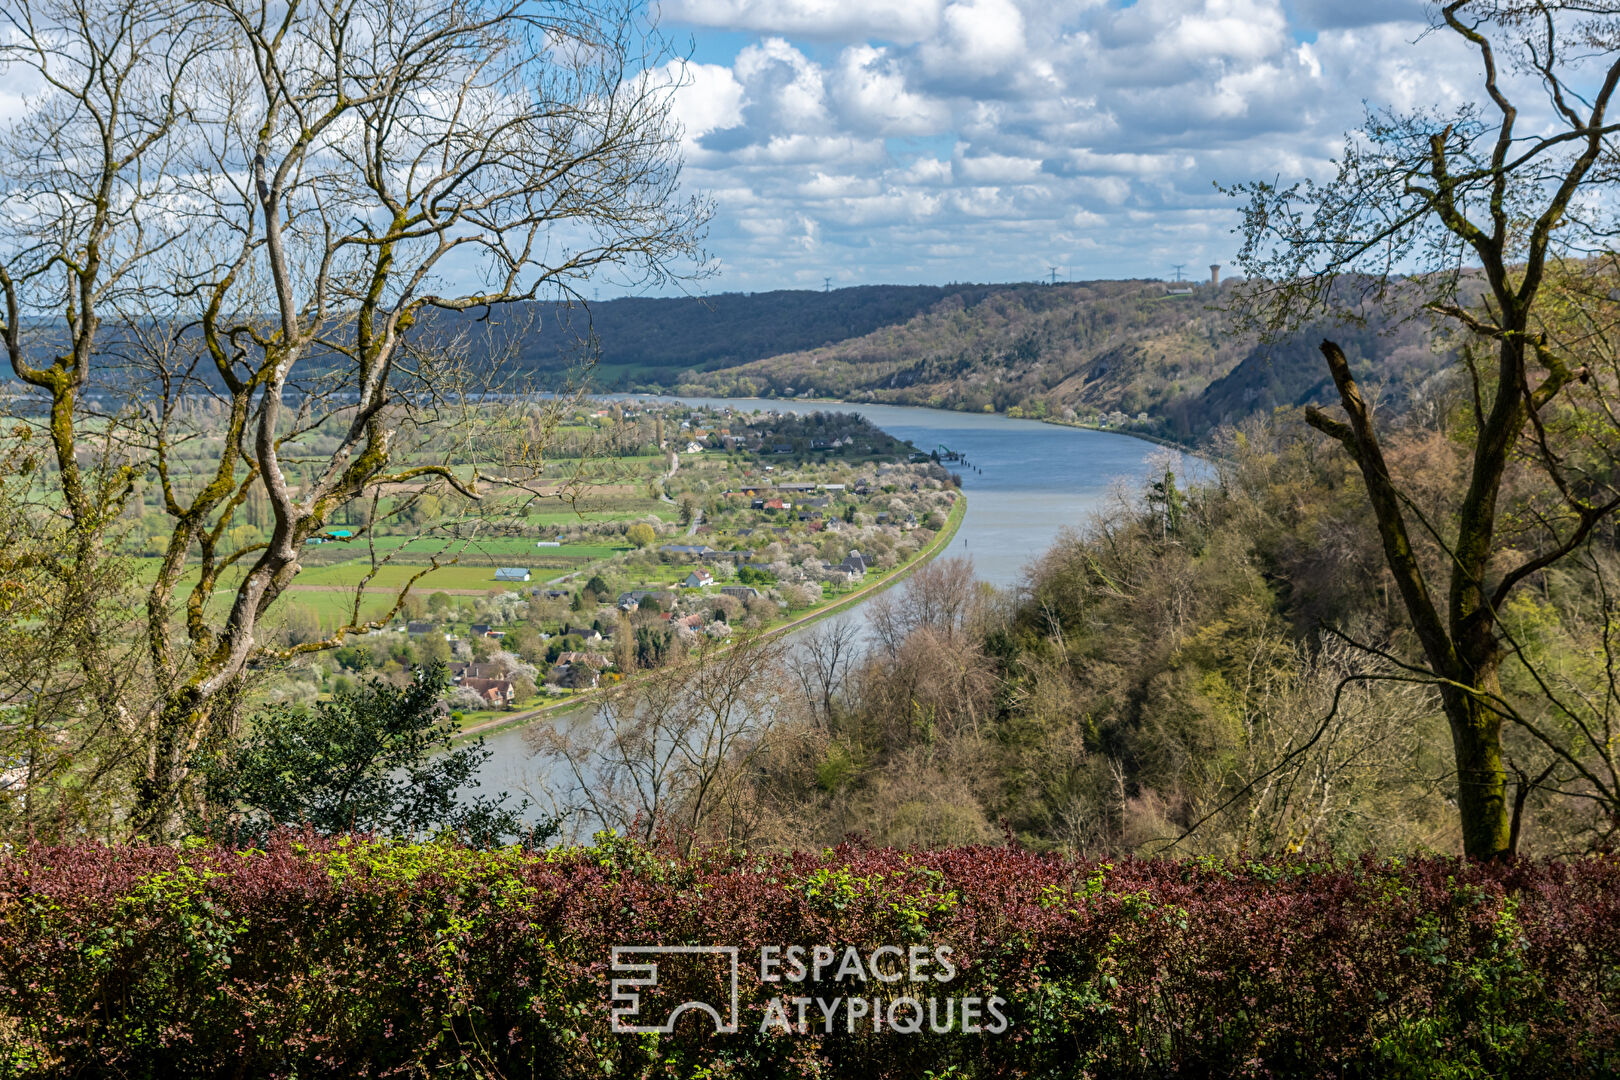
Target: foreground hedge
[358, 958]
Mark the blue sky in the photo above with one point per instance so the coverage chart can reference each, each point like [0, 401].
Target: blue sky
[932, 141]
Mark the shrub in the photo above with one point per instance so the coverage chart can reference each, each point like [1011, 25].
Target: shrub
[357, 957]
[376, 757]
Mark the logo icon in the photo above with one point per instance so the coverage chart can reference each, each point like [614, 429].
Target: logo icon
[627, 992]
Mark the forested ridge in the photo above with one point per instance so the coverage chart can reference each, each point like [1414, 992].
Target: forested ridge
[651, 341]
[1102, 351]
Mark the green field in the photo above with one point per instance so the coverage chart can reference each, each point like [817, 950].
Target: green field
[491, 551]
[394, 576]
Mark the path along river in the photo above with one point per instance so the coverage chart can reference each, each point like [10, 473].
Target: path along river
[1025, 481]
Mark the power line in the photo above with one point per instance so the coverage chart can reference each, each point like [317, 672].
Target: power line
[1053, 271]
[826, 284]
[1178, 267]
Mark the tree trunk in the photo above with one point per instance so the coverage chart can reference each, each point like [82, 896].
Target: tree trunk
[1476, 739]
[1460, 650]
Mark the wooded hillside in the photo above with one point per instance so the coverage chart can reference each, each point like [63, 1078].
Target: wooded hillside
[1081, 351]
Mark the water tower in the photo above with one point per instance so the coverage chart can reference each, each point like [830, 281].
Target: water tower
[1215, 274]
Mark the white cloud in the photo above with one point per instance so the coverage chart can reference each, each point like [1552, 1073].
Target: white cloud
[978, 38]
[997, 169]
[707, 98]
[975, 139]
[904, 21]
[871, 93]
[784, 87]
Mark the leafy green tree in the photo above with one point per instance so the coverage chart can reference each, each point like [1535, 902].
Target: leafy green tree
[640, 534]
[432, 649]
[652, 646]
[376, 758]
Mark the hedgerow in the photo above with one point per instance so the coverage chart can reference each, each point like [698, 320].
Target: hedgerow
[352, 956]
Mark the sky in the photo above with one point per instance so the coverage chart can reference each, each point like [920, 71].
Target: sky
[937, 141]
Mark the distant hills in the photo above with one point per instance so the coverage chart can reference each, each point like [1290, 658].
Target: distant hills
[653, 342]
[1083, 351]
[1158, 357]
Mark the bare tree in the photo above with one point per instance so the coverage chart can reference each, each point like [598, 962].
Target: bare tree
[1486, 206]
[942, 594]
[667, 746]
[301, 211]
[820, 664]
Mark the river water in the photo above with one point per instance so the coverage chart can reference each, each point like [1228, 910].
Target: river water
[1025, 481]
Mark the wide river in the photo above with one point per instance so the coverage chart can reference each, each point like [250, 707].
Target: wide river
[1026, 482]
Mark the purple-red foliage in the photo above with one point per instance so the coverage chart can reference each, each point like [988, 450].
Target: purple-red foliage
[352, 957]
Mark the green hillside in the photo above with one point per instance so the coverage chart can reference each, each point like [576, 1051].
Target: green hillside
[1088, 352]
[1148, 355]
[644, 342]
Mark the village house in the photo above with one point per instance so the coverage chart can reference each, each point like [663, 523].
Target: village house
[462, 670]
[574, 676]
[741, 592]
[416, 628]
[511, 573]
[629, 602]
[697, 579]
[498, 692]
[853, 564]
[595, 660]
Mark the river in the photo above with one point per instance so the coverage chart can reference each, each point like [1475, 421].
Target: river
[1025, 481]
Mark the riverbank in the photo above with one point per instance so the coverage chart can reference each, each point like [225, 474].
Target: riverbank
[1185, 448]
[1161, 440]
[939, 543]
